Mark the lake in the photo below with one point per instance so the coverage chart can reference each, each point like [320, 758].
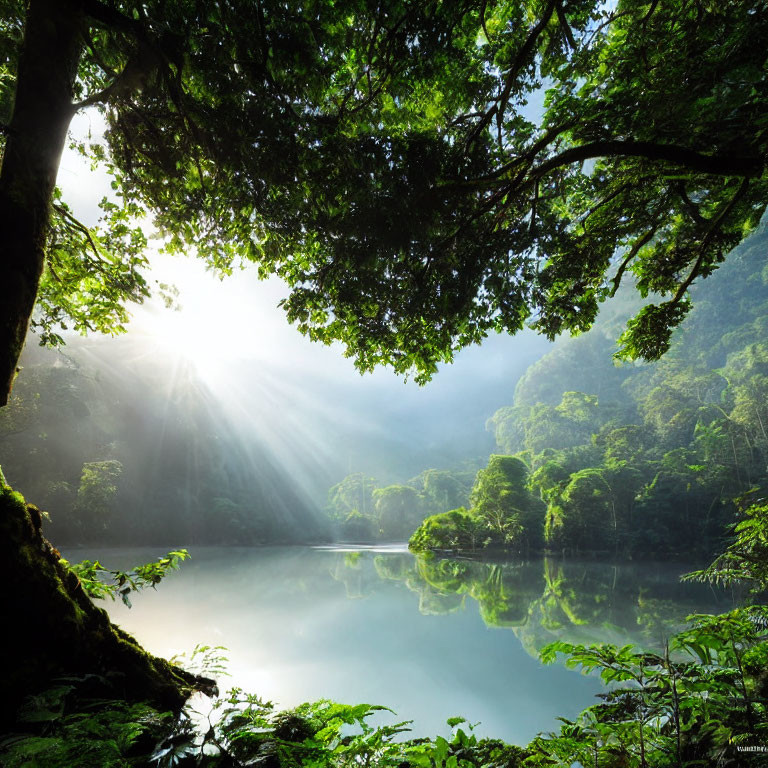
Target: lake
[430, 639]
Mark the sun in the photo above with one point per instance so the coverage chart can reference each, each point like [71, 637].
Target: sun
[215, 322]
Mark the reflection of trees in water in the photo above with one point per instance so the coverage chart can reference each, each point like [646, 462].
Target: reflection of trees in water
[552, 599]
[432, 599]
[503, 592]
[348, 568]
[541, 600]
[581, 603]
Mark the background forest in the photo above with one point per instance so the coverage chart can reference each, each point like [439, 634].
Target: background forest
[647, 459]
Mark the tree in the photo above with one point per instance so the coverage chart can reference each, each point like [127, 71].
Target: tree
[542, 426]
[98, 486]
[398, 509]
[746, 557]
[593, 511]
[508, 427]
[458, 529]
[578, 363]
[353, 495]
[441, 489]
[383, 162]
[501, 499]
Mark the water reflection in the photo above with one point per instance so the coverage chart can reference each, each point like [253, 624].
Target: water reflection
[379, 626]
[549, 599]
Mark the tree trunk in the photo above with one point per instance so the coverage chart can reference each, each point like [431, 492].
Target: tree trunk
[36, 135]
[50, 626]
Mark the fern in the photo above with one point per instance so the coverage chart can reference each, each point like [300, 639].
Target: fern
[100, 582]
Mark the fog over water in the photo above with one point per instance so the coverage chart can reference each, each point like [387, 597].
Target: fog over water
[218, 424]
[289, 412]
[218, 408]
[306, 400]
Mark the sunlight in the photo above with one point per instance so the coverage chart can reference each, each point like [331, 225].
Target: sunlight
[186, 333]
[462, 548]
[214, 322]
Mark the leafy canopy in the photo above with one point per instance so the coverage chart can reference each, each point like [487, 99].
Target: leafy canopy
[389, 161]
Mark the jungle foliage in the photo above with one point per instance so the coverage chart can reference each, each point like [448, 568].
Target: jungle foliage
[646, 460]
[382, 159]
[503, 514]
[362, 510]
[656, 459]
[243, 729]
[99, 582]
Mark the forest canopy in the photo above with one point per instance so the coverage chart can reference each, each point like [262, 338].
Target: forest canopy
[418, 173]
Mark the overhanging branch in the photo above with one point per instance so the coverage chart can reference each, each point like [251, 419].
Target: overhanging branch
[634, 250]
[715, 226]
[713, 165]
[522, 57]
[111, 17]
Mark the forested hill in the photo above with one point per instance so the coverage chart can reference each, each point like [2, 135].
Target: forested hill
[645, 459]
[651, 458]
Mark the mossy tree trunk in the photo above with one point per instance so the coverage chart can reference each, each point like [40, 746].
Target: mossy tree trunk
[50, 626]
[53, 629]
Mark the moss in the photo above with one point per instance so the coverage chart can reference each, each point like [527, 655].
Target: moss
[53, 629]
[10, 499]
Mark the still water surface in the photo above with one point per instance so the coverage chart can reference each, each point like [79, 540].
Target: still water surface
[431, 640]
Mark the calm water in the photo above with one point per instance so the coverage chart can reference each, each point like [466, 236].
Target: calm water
[430, 640]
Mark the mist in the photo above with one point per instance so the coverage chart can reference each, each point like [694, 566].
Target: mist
[218, 538]
[285, 419]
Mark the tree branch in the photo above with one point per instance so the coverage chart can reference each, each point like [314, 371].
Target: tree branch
[528, 155]
[482, 21]
[600, 203]
[475, 132]
[705, 241]
[610, 19]
[651, 10]
[713, 165]
[564, 24]
[633, 251]
[98, 263]
[77, 224]
[111, 17]
[99, 97]
[523, 54]
[533, 207]
[689, 204]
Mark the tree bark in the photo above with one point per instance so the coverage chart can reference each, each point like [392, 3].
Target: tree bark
[36, 135]
[52, 629]
[747, 166]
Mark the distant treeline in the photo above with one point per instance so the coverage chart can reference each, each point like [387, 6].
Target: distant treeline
[362, 510]
[651, 459]
[632, 459]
